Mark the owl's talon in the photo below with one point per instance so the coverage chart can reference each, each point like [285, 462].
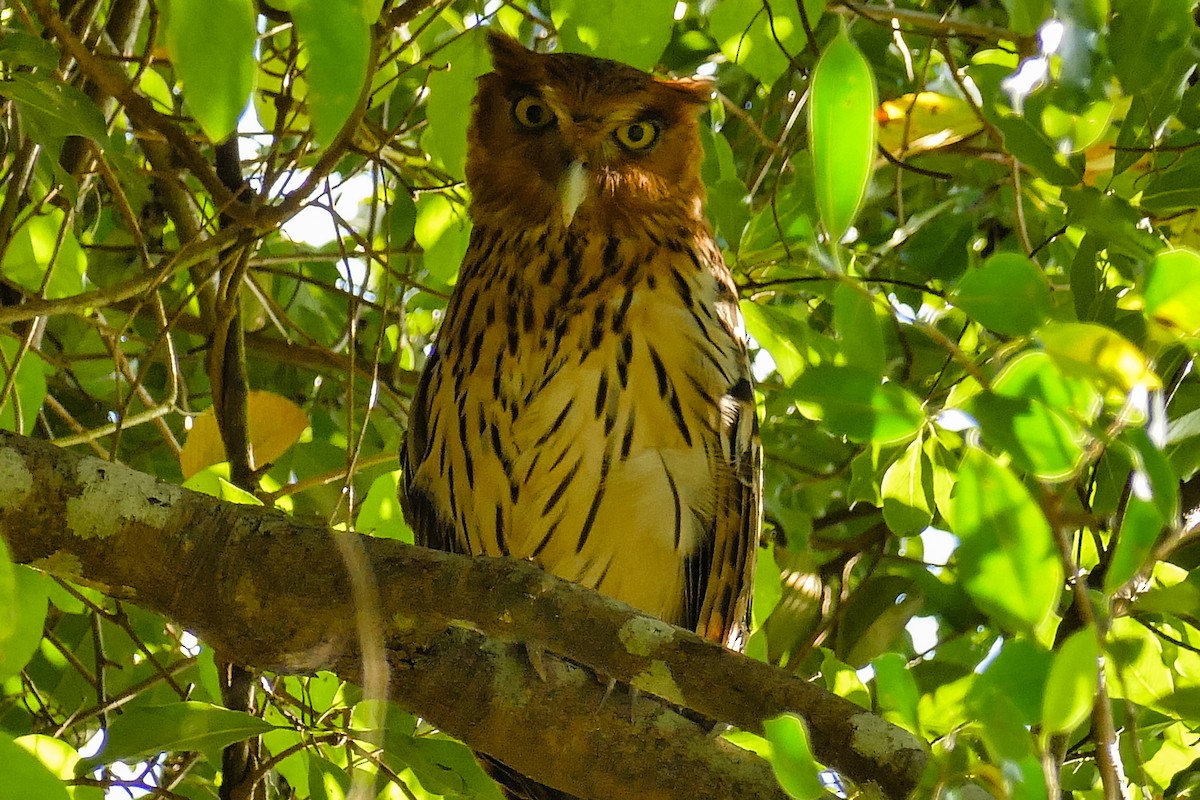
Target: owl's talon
[717, 729]
[534, 653]
[609, 685]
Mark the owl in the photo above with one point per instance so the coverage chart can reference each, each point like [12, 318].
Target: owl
[587, 404]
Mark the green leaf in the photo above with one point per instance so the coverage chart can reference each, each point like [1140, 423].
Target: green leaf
[1145, 34]
[154, 88]
[853, 403]
[29, 388]
[1071, 687]
[1018, 673]
[1008, 295]
[22, 617]
[763, 37]
[1172, 293]
[1173, 189]
[1143, 123]
[443, 231]
[604, 29]
[768, 586]
[449, 105]
[729, 207]
[380, 513]
[841, 118]
[58, 108]
[46, 243]
[186, 725]
[1097, 354]
[908, 491]
[444, 767]
[1110, 218]
[791, 757]
[1040, 440]
[1085, 278]
[1152, 464]
[1034, 375]
[1140, 526]
[25, 49]
[212, 47]
[401, 219]
[1033, 148]
[1183, 444]
[858, 328]
[337, 37]
[326, 780]
[780, 334]
[896, 691]
[1007, 559]
[60, 758]
[1140, 670]
[1025, 16]
[25, 777]
[843, 680]
[1000, 723]
[214, 482]
[1172, 591]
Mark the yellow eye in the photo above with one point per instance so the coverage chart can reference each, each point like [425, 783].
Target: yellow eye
[532, 112]
[637, 135]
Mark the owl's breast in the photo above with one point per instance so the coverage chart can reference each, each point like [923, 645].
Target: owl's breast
[586, 395]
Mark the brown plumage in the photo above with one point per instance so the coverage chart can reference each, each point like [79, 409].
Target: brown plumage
[588, 402]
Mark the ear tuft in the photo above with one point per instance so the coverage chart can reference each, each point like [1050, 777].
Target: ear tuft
[508, 55]
[693, 90]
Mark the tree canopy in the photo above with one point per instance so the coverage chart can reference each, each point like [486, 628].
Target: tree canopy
[965, 236]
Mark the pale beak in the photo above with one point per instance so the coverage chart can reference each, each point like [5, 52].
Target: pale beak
[571, 190]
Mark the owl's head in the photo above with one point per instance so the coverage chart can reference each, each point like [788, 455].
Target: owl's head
[588, 141]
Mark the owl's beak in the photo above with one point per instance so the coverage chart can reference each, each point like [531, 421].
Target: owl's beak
[571, 190]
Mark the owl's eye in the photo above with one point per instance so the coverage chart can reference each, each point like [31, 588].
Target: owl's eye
[532, 112]
[637, 135]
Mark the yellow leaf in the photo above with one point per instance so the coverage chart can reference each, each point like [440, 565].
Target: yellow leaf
[275, 424]
[934, 120]
[1097, 354]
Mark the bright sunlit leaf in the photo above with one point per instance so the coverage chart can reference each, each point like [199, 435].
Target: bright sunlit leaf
[853, 403]
[603, 29]
[1173, 291]
[1071, 688]
[858, 328]
[791, 757]
[24, 598]
[212, 47]
[1007, 558]
[1008, 295]
[187, 725]
[1097, 354]
[841, 108]
[25, 776]
[907, 491]
[337, 37]
[1140, 526]
[1041, 440]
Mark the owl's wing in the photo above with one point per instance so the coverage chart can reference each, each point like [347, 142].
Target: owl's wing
[720, 575]
[429, 528]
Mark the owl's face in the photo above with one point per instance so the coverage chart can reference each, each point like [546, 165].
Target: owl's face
[585, 141]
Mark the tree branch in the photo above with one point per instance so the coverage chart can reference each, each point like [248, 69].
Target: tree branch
[276, 593]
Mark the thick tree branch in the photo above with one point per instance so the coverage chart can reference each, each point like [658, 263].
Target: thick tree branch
[276, 593]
